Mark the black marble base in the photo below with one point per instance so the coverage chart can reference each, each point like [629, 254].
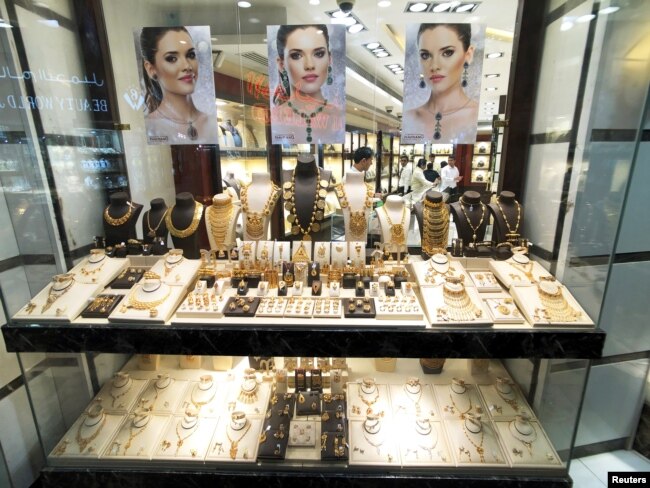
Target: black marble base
[298, 478]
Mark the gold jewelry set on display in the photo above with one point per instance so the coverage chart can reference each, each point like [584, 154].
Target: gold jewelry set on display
[92, 413]
[459, 307]
[475, 228]
[358, 225]
[512, 235]
[55, 292]
[318, 211]
[527, 439]
[189, 230]
[435, 226]
[397, 231]
[555, 306]
[136, 304]
[117, 221]
[153, 230]
[219, 215]
[255, 220]
[234, 443]
[469, 433]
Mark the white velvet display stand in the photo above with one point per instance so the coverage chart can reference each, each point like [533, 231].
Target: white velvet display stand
[485, 281]
[206, 396]
[462, 399]
[356, 193]
[377, 402]
[137, 436]
[433, 300]
[245, 437]
[98, 268]
[396, 209]
[502, 308]
[380, 448]
[504, 399]
[120, 393]
[529, 302]
[530, 450]
[414, 399]
[162, 394]
[423, 443]
[235, 400]
[518, 270]
[176, 270]
[467, 453]
[434, 270]
[149, 291]
[231, 232]
[259, 192]
[195, 433]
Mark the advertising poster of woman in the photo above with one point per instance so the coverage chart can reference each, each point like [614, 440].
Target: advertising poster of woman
[307, 83]
[175, 65]
[442, 83]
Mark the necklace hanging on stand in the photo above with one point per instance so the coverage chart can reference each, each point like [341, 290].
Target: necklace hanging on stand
[476, 227]
[153, 230]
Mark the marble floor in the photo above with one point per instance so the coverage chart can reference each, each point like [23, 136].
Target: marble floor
[591, 471]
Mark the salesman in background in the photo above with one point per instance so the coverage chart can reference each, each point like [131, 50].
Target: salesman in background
[450, 178]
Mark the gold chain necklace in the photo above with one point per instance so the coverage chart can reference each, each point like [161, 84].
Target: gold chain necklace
[255, 220]
[199, 403]
[152, 231]
[416, 400]
[512, 234]
[182, 439]
[397, 234]
[479, 447]
[182, 233]
[168, 267]
[435, 226]
[459, 305]
[514, 404]
[53, 295]
[523, 438]
[234, 444]
[219, 217]
[317, 212]
[83, 442]
[151, 306]
[133, 434]
[120, 395]
[474, 228]
[117, 221]
[358, 224]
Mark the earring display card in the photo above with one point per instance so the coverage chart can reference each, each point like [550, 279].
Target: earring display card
[308, 403]
[506, 403]
[133, 442]
[87, 438]
[271, 307]
[327, 308]
[373, 449]
[532, 448]
[503, 310]
[162, 399]
[398, 307]
[236, 445]
[359, 308]
[101, 306]
[412, 402]
[470, 448]
[241, 306]
[302, 433]
[207, 398]
[334, 446]
[299, 307]
[485, 281]
[186, 441]
[122, 399]
[457, 405]
[423, 444]
[127, 278]
[361, 404]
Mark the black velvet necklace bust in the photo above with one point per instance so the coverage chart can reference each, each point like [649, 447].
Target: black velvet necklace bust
[118, 208]
[472, 209]
[509, 230]
[182, 215]
[306, 185]
[153, 221]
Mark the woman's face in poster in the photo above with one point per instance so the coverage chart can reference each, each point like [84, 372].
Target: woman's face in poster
[306, 59]
[442, 57]
[176, 65]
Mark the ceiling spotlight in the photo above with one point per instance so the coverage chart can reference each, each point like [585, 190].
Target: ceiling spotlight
[609, 10]
[566, 25]
[383, 4]
[491, 88]
[391, 66]
[493, 75]
[585, 18]
[314, 2]
[441, 7]
[465, 8]
[4, 24]
[418, 7]
[372, 45]
[494, 55]
[339, 14]
[244, 4]
[382, 54]
[353, 29]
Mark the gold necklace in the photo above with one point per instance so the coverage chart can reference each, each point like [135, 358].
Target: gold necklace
[526, 269]
[249, 395]
[53, 295]
[83, 442]
[255, 220]
[317, 213]
[435, 226]
[514, 404]
[182, 439]
[358, 224]
[152, 231]
[397, 234]
[459, 306]
[198, 404]
[120, 395]
[168, 267]
[469, 399]
[525, 440]
[513, 234]
[182, 233]
[234, 444]
[90, 272]
[142, 305]
[117, 221]
[474, 228]
[556, 306]
[219, 216]
[369, 403]
[133, 434]
[416, 401]
[479, 447]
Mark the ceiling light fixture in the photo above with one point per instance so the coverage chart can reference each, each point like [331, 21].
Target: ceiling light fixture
[314, 2]
[353, 29]
[566, 25]
[417, 7]
[337, 14]
[382, 54]
[383, 4]
[585, 18]
[491, 88]
[609, 10]
[492, 75]
[244, 4]
[441, 7]
[372, 45]
[494, 55]
[468, 7]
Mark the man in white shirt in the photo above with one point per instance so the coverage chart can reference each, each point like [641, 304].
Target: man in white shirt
[450, 178]
[362, 160]
[405, 174]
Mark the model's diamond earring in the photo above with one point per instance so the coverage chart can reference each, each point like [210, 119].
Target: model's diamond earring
[422, 84]
[329, 75]
[463, 82]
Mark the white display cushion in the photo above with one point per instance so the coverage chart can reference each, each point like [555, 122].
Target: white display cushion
[408, 405]
[302, 433]
[65, 309]
[454, 406]
[247, 251]
[538, 453]
[237, 402]
[357, 408]
[485, 281]
[379, 449]
[497, 405]
[100, 273]
[398, 307]
[235, 446]
[195, 306]
[433, 299]
[329, 308]
[322, 253]
[163, 311]
[164, 400]
[464, 445]
[271, 307]
[357, 253]
[69, 446]
[181, 274]
[503, 310]
[417, 449]
[299, 307]
[209, 402]
[132, 442]
[120, 399]
[339, 253]
[194, 442]
[425, 278]
[529, 302]
[511, 273]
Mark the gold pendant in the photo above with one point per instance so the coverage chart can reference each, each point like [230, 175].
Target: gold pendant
[358, 225]
[233, 450]
[397, 234]
[254, 226]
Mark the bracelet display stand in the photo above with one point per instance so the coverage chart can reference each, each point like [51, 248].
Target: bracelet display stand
[120, 218]
[221, 222]
[258, 200]
[153, 221]
[183, 221]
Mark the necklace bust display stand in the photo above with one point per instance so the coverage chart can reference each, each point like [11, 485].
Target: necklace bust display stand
[308, 184]
[232, 182]
[120, 218]
[153, 223]
[183, 221]
[508, 218]
[434, 231]
[258, 201]
[394, 220]
[220, 222]
[471, 217]
[356, 202]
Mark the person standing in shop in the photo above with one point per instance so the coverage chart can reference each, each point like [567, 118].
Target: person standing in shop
[431, 174]
[362, 160]
[450, 177]
[405, 174]
[419, 183]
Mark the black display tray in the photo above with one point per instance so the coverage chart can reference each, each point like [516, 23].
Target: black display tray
[122, 281]
[358, 312]
[239, 312]
[94, 314]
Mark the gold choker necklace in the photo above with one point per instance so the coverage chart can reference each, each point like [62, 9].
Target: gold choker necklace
[182, 233]
[117, 221]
